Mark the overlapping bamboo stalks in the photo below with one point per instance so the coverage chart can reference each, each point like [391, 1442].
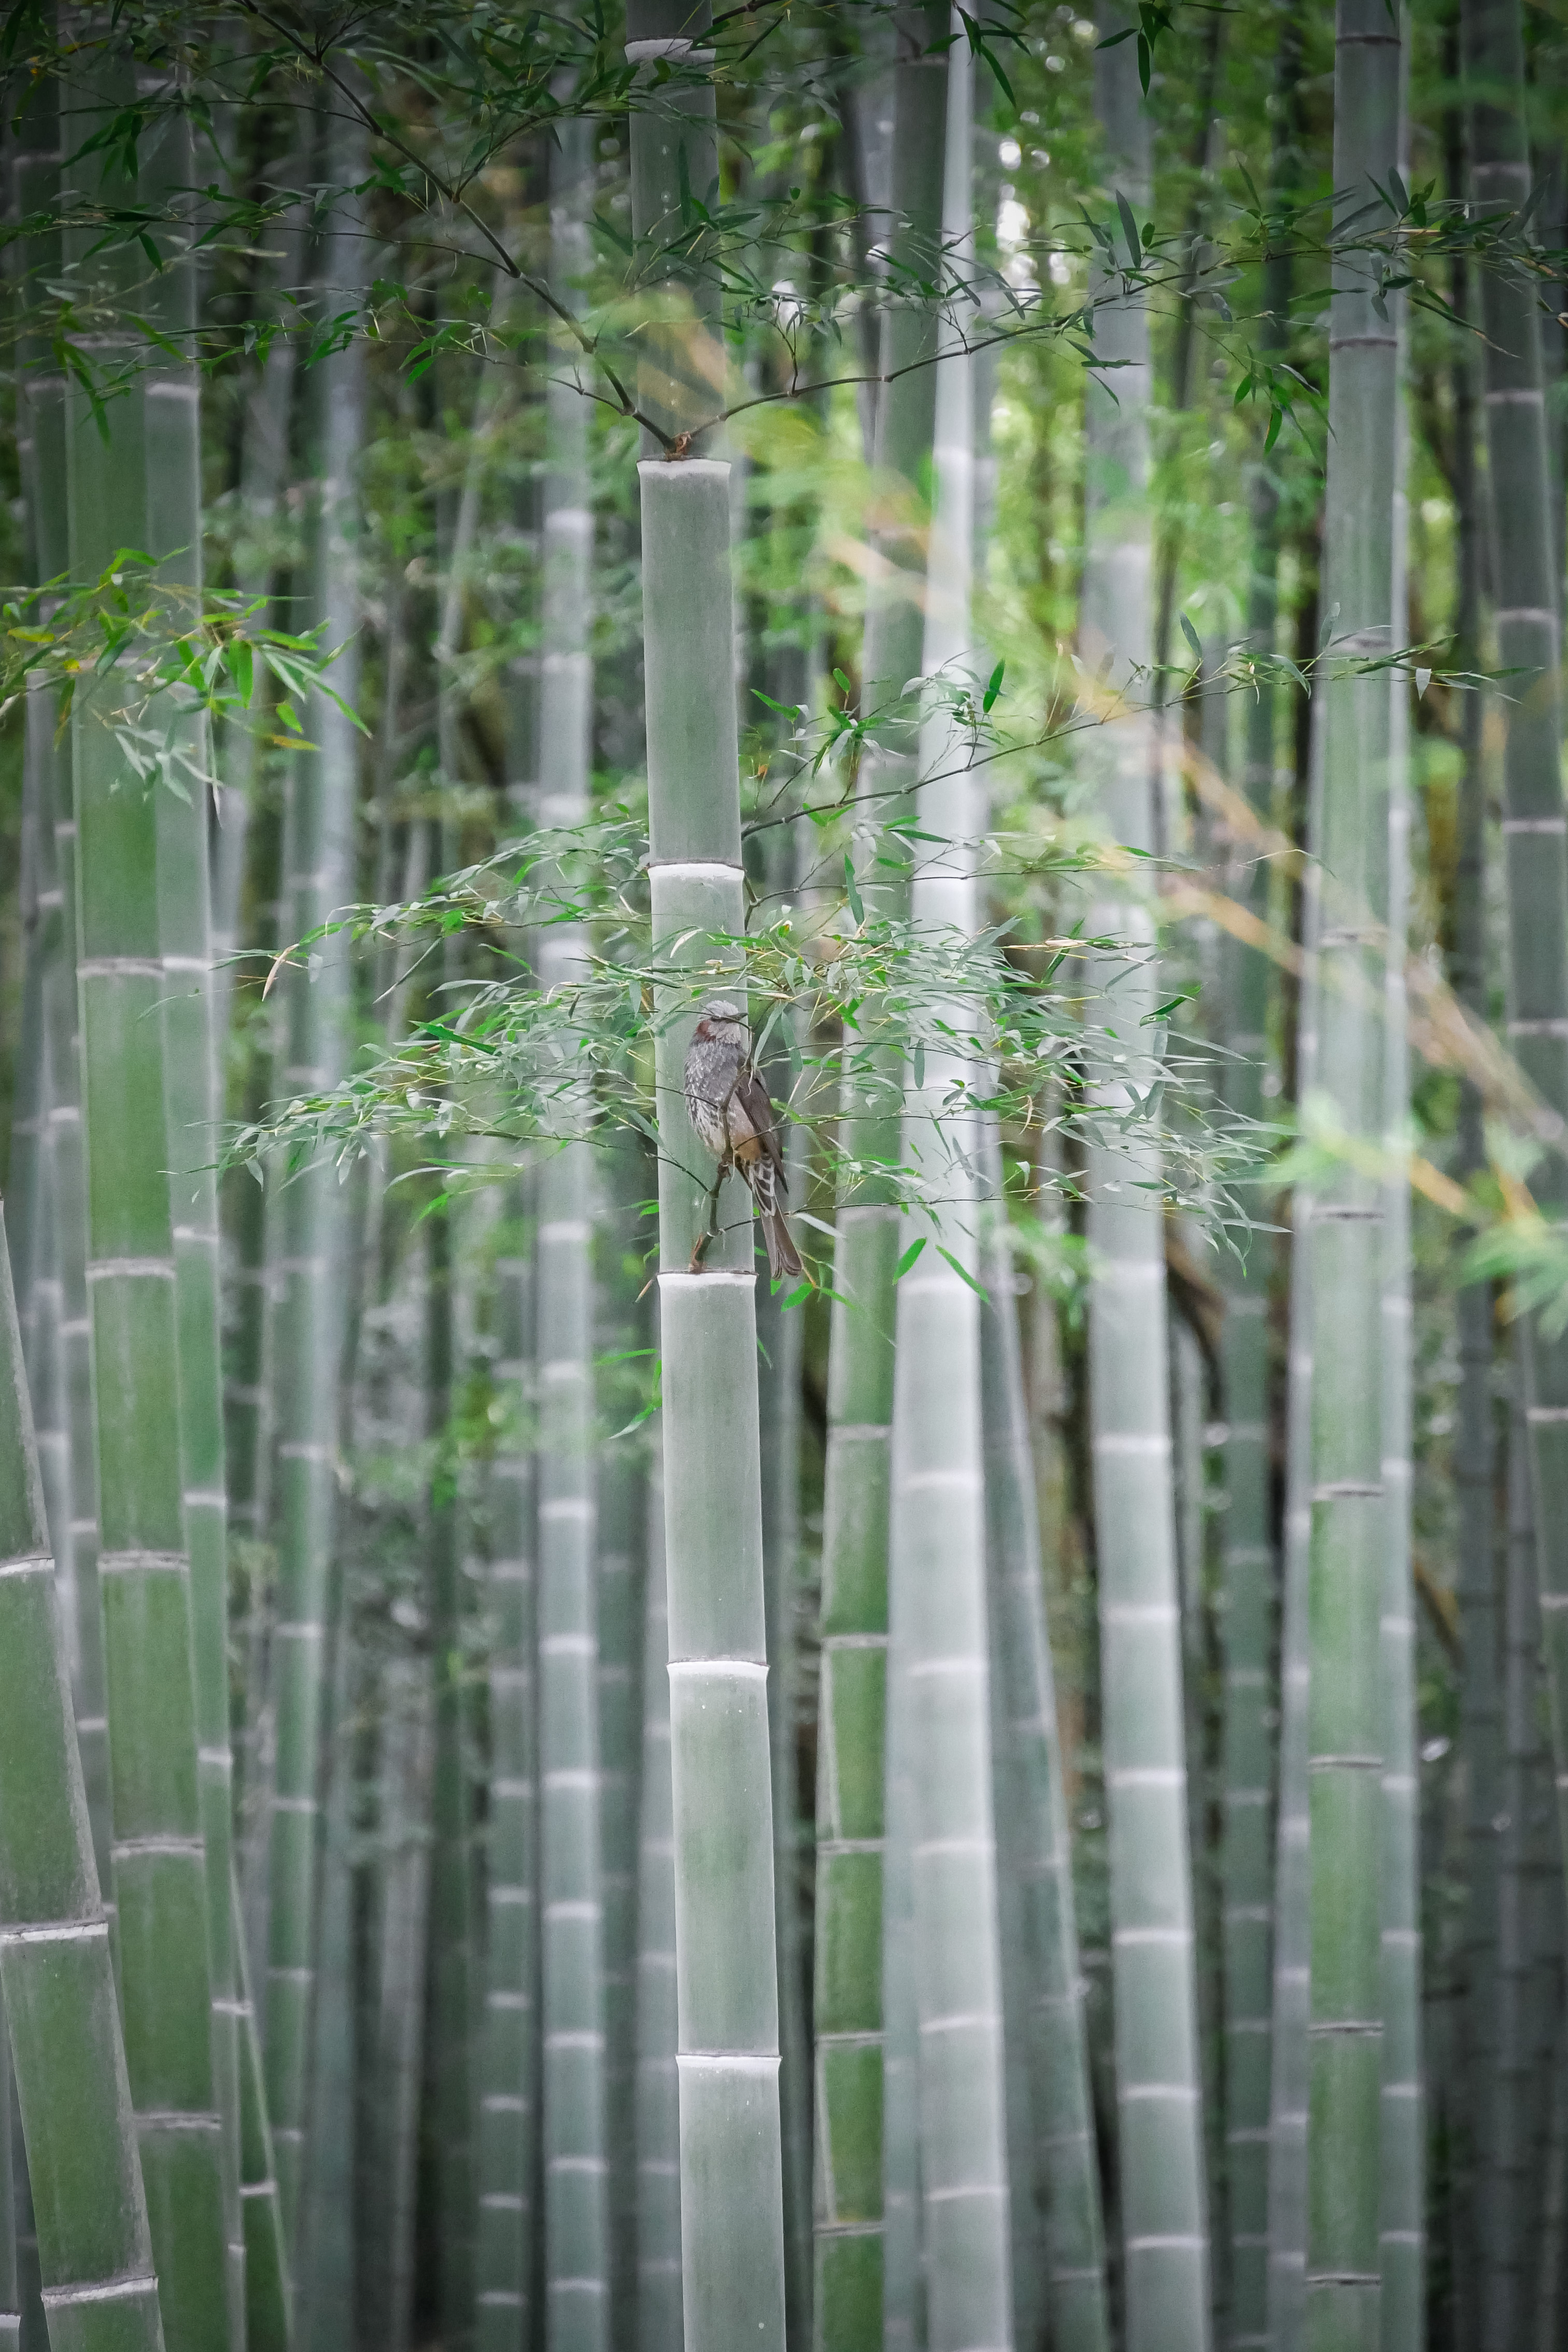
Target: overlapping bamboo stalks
[675, 1753]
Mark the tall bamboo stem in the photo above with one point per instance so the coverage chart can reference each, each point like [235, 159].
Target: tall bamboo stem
[1164, 2223]
[732, 2234]
[659, 2321]
[309, 1332]
[1035, 1854]
[94, 2245]
[1403, 2124]
[159, 1864]
[937, 1574]
[1346, 1211]
[1475, 1445]
[577, 2250]
[1249, 1564]
[508, 2099]
[194, 1107]
[1535, 858]
[852, 2087]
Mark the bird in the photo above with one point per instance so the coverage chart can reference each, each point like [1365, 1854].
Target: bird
[733, 1119]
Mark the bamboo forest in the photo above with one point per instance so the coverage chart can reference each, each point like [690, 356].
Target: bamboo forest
[784, 1128]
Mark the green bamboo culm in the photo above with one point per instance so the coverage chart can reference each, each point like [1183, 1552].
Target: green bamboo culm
[1535, 851]
[1344, 1211]
[619, 1329]
[308, 1331]
[575, 2169]
[853, 1943]
[1164, 2216]
[509, 2098]
[67, 2054]
[727, 1994]
[1250, 1562]
[659, 2317]
[194, 1108]
[938, 1646]
[160, 1876]
[41, 395]
[726, 1986]
[1402, 2160]
[1474, 1437]
[269, 2314]
[1034, 1847]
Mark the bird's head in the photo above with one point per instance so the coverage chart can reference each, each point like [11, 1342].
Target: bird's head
[722, 1022]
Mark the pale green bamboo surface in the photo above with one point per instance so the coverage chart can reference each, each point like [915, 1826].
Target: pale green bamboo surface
[1164, 2216]
[659, 2315]
[1475, 1446]
[731, 2176]
[1402, 2164]
[620, 1327]
[94, 2246]
[852, 1955]
[680, 356]
[937, 1548]
[193, 1108]
[157, 1854]
[42, 394]
[267, 2286]
[850, 1809]
[1034, 1852]
[1505, 2310]
[1288, 2012]
[1349, 1523]
[307, 1333]
[447, 2111]
[779, 1339]
[509, 2094]
[1527, 621]
[576, 2168]
[1251, 1618]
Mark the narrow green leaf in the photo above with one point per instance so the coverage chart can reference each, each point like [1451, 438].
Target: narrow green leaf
[1129, 224]
[907, 1260]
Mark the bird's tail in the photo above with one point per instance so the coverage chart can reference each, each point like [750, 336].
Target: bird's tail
[783, 1258]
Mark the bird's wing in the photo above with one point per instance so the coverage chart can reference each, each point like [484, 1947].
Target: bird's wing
[751, 1114]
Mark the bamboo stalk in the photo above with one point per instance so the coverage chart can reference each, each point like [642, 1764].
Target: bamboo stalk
[309, 1332]
[859, 1946]
[659, 2315]
[1536, 865]
[158, 1855]
[780, 1331]
[1403, 2115]
[577, 2250]
[621, 1571]
[95, 2249]
[508, 2101]
[42, 426]
[732, 2236]
[193, 1107]
[1349, 1499]
[1475, 1443]
[1164, 2222]
[1504, 2313]
[1251, 1617]
[268, 2320]
[1035, 1854]
[936, 1561]
[726, 1989]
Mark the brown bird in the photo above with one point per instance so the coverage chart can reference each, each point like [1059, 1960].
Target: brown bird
[734, 1118]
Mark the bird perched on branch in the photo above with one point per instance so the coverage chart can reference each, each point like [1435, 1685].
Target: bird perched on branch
[734, 1118]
